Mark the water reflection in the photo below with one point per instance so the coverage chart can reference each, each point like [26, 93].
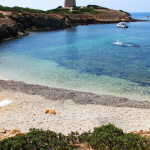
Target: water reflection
[71, 29]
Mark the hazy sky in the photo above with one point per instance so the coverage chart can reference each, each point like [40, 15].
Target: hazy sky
[126, 5]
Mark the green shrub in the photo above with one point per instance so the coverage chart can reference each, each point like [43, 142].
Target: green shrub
[85, 137]
[5, 8]
[104, 137]
[59, 7]
[19, 9]
[76, 12]
[76, 8]
[17, 14]
[35, 140]
[85, 9]
[59, 10]
[96, 7]
[109, 136]
[93, 6]
[33, 10]
[95, 12]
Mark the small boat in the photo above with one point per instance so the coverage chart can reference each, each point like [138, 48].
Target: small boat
[146, 16]
[122, 25]
[124, 44]
[118, 43]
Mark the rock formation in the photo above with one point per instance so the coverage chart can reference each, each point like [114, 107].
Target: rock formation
[16, 23]
[70, 3]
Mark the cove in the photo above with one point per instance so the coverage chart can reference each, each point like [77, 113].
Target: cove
[83, 58]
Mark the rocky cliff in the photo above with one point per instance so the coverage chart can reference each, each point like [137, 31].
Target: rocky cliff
[15, 23]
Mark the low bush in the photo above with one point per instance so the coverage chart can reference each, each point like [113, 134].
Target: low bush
[36, 139]
[96, 7]
[104, 137]
[76, 8]
[17, 14]
[19, 9]
[76, 12]
[95, 12]
[60, 10]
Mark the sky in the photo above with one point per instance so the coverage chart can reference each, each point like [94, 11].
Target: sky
[125, 5]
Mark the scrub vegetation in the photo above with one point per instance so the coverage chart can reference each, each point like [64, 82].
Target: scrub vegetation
[93, 9]
[102, 138]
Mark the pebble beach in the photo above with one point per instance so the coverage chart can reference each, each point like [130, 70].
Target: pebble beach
[75, 110]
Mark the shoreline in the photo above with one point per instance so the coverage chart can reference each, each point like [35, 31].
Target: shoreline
[75, 111]
[79, 97]
[32, 30]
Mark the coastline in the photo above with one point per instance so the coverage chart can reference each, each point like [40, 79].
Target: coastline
[17, 23]
[77, 96]
[75, 111]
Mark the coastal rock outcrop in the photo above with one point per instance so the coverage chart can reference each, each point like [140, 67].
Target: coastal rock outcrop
[15, 23]
[29, 20]
[9, 28]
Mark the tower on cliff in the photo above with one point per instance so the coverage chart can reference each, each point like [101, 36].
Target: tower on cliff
[70, 3]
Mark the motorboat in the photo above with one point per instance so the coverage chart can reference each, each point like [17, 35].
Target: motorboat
[122, 25]
[118, 43]
[124, 44]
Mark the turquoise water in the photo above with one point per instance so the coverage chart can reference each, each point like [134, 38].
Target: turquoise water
[84, 58]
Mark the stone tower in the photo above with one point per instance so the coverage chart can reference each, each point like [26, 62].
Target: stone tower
[70, 3]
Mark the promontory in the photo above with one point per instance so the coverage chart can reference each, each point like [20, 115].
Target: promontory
[17, 21]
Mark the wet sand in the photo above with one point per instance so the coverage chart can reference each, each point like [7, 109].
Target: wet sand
[75, 111]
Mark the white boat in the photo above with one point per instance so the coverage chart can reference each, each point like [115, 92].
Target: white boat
[118, 43]
[124, 44]
[122, 25]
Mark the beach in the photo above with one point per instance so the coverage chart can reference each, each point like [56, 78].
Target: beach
[75, 111]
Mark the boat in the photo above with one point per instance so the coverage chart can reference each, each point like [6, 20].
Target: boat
[118, 43]
[122, 25]
[146, 16]
[124, 44]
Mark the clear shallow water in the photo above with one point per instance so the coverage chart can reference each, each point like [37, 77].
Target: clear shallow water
[84, 58]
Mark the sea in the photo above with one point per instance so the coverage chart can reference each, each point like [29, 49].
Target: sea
[84, 58]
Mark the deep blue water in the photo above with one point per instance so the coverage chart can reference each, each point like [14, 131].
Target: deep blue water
[84, 58]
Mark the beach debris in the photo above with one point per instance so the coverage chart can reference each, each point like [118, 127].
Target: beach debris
[142, 133]
[50, 111]
[5, 102]
[46, 111]
[14, 131]
[3, 131]
[10, 133]
[19, 134]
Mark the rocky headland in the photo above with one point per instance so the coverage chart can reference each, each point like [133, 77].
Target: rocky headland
[16, 22]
